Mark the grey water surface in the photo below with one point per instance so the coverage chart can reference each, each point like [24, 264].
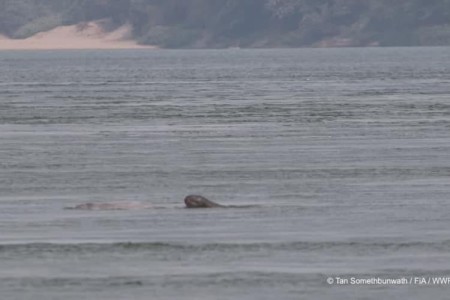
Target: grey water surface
[343, 153]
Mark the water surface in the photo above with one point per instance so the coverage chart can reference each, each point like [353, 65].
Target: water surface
[345, 154]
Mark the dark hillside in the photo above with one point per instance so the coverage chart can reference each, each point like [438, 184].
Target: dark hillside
[244, 23]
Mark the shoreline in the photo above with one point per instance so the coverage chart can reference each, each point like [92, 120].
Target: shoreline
[103, 47]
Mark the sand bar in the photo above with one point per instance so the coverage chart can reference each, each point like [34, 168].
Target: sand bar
[88, 35]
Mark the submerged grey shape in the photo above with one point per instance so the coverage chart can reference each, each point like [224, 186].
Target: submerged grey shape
[111, 206]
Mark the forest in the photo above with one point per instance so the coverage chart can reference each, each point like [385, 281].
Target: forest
[243, 23]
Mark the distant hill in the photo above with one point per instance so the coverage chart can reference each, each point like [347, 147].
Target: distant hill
[243, 23]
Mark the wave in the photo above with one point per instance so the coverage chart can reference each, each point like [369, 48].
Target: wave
[222, 279]
[306, 246]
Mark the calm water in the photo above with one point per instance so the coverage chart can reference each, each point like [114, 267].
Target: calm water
[345, 154]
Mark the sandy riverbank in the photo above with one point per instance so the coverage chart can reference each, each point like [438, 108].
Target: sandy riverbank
[89, 35]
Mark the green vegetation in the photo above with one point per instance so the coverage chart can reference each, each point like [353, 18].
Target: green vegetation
[244, 23]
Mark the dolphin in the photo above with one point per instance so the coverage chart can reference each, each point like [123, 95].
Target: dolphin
[197, 201]
[191, 201]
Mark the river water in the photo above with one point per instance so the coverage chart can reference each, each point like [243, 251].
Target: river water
[343, 155]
